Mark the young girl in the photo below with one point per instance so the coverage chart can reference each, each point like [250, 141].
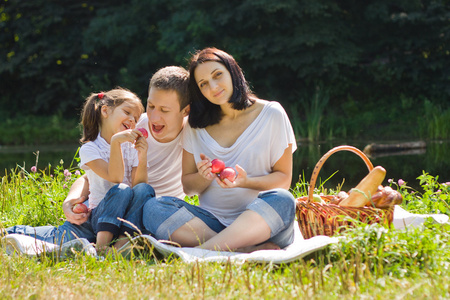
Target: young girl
[113, 152]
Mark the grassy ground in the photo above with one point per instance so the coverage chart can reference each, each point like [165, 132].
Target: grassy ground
[371, 262]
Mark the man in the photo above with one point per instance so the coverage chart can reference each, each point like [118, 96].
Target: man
[167, 111]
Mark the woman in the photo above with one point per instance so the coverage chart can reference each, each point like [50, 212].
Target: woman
[252, 135]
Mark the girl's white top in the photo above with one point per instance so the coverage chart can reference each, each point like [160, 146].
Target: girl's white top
[164, 163]
[100, 149]
[257, 150]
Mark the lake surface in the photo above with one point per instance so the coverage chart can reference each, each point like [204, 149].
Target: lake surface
[12, 157]
[406, 165]
[434, 159]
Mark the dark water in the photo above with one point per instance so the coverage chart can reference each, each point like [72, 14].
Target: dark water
[406, 165]
[12, 158]
[434, 159]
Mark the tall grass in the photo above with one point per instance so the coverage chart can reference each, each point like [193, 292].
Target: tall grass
[369, 262]
[34, 196]
[435, 123]
[307, 115]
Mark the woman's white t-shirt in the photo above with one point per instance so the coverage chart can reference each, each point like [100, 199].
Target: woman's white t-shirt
[164, 163]
[257, 150]
[100, 149]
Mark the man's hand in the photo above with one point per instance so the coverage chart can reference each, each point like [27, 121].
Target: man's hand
[72, 217]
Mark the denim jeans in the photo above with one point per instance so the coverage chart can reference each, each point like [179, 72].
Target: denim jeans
[164, 215]
[56, 235]
[68, 231]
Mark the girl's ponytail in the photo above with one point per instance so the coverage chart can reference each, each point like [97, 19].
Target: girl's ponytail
[91, 117]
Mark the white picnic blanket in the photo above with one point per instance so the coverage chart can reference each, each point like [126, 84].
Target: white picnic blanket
[22, 244]
[403, 219]
[30, 246]
[297, 250]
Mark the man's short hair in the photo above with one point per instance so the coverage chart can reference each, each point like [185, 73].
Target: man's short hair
[175, 79]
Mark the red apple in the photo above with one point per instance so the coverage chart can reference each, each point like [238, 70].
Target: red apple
[143, 131]
[229, 173]
[80, 208]
[217, 165]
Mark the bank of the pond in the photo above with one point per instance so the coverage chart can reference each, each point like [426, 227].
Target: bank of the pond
[44, 157]
[39, 130]
[343, 167]
[348, 169]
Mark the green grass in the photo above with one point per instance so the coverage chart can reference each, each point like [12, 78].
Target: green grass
[318, 118]
[370, 262]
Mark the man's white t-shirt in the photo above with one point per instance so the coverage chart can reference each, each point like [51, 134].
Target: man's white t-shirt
[257, 150]
[100, 149]
[164, 163]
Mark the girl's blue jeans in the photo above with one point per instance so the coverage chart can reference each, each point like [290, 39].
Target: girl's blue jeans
[105, 214]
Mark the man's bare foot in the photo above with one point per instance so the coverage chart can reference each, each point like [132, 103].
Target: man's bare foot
[120, 243]
[263, 246]
[106, 251]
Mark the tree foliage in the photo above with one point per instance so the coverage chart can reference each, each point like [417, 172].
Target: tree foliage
[55, 52]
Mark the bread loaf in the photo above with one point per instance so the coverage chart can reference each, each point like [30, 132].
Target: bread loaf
[360, 195]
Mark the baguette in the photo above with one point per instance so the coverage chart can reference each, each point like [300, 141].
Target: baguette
[360, 195]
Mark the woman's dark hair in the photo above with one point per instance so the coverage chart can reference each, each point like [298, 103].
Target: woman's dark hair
[204, 113]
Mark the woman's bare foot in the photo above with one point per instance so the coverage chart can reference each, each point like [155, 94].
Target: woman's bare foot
[263, 246]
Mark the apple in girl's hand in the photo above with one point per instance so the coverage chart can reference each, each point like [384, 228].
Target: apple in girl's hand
[229, 173]
[143, 131]
[217, 165]
[80, 208]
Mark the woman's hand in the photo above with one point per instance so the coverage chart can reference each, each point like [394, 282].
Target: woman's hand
[196, 177]
[240, 180]
[204, 167]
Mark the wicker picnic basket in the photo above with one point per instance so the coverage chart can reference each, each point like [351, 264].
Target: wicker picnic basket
[315, 218]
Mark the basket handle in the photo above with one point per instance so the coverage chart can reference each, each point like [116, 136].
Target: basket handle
[325, 157]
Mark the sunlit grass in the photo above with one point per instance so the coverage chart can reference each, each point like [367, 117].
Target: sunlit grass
[370, 262]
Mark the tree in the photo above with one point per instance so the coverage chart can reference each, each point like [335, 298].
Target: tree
[371, 53]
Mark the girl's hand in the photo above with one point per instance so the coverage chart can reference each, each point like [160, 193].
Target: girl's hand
[129, 135]
[240, 181]
[204, 167]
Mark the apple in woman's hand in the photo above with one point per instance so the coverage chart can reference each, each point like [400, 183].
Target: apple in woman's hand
[217, 165]
[228, 173]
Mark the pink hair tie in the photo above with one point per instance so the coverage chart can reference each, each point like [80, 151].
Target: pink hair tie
[100, 96]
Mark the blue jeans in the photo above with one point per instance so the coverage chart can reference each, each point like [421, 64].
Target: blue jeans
[56, 235]
[68, 231]
[164, 215]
